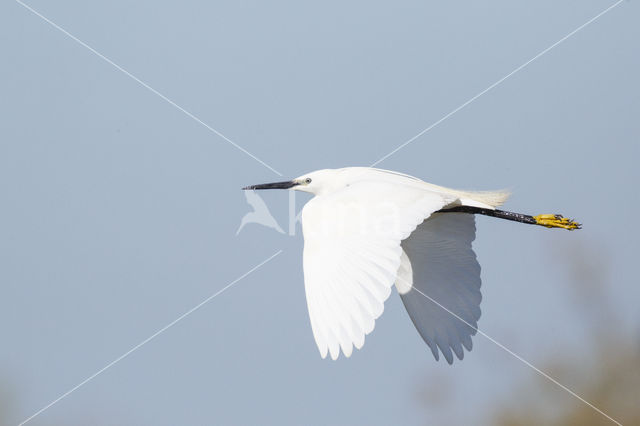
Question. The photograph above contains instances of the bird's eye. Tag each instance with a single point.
(307, 181)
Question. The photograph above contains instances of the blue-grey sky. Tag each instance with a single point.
(119, 211)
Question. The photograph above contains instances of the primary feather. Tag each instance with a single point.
(439, 282)
(351, 258)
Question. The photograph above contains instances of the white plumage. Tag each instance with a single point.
(438, 262)
(368, 229)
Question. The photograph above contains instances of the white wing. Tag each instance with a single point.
(352, 253)
(438, 262)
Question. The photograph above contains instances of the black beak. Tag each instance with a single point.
(275, 185)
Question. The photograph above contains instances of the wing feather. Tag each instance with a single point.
(441, 264)
(352, 254)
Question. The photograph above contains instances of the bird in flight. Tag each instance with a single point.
(367, 229)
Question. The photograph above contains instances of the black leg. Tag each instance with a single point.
(547, 220)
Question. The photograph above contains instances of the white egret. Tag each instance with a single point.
(367, 229)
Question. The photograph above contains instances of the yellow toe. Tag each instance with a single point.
(556, 221)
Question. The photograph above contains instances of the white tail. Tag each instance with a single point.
(482, 199)
(489, 198)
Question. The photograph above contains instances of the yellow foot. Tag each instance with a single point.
(556, 221)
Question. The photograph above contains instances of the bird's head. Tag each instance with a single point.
(318, 182)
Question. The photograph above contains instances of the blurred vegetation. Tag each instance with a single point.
(607, 373)
(611, 382)
(604, 369)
